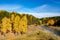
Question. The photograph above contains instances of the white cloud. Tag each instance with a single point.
(41, 15)
(9, 7)
(40, 11)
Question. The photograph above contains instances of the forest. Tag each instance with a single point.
(15, 22)
(18, 23)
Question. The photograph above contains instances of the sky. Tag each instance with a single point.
(38, 8)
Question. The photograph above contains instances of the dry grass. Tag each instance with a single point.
(55, 27)
(34, 33)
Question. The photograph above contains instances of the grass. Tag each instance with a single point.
(39, 35)
(35, 36)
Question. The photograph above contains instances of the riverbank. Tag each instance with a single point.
(55, 28)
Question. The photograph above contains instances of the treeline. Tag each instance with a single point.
(15, 22)
(18, 23)
(51, 21)
(30, 18)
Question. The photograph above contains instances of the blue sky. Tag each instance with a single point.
(38, 8)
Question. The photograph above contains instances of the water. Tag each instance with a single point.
(54, 31)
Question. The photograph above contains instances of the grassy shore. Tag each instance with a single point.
(55, 27)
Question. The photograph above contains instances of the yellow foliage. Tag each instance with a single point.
(40, 22)
(51, 22)
(24, 23)
(19, 24)
(6, 25)
(12, 17)
(16, 24)
(4, 30)
(31, 18)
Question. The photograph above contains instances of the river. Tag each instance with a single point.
(52, 30)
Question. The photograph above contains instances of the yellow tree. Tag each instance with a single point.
(5, 25)
(13, 14)
(24, 23)
(8, 25)
(16, 26)
(31, 18)
(12, 17)
(40, 22)
(50, 22)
